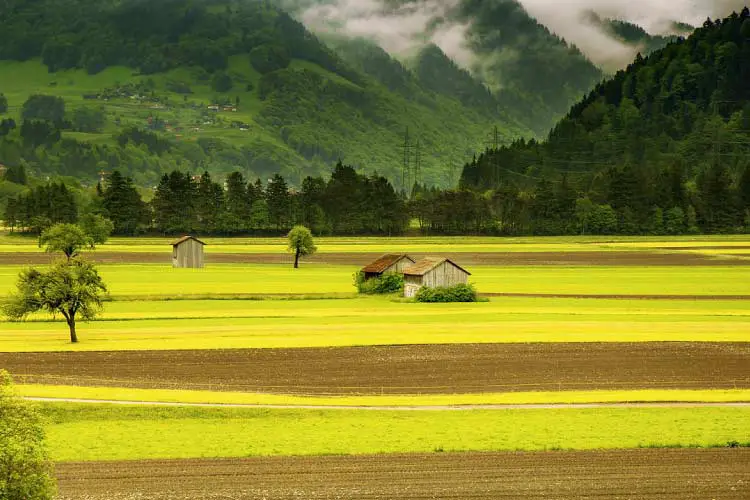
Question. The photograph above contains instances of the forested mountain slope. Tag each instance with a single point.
(147, 87)
(533, 75)
(669, 133)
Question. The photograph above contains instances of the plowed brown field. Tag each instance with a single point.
(471, 368)
(624, 474)
(614, 258)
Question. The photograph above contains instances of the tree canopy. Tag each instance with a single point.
(72, 288)
(25, 468)
(69, 239)
(301, 243)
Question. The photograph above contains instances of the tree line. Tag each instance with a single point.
(350, 203)
(346, 203)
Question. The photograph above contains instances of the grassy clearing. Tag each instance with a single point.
(107, 432)
(381, 321)
(154, 281)
(511, 398)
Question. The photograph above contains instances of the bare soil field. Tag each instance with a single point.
(417, 369)
(594, 258)
(623, 474)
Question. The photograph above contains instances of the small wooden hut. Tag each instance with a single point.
(187, 252)
(392, 263)
(433, 272)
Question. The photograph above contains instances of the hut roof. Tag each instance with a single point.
(384, 263)
(426, 265)
(184, 239)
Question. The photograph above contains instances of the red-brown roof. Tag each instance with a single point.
(184, 239)
(384, 263)
(426, 265)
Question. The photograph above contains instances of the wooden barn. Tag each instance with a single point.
(391, 263)
(187, 252)
(433, 272)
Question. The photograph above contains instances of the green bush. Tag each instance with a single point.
(387, 283)
(457, 293)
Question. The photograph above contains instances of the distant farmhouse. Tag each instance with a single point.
(392, 263)
(187, 252)
(433, 272)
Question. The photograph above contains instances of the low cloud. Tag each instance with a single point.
(402, 28)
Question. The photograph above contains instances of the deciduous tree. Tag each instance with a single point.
(69, 239)
(301, 243)
(25, 469)
(72, 288)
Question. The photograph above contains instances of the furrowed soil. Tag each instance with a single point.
(416, 369)
(609, 258)
(624, 474)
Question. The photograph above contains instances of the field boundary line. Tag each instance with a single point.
(532, 406)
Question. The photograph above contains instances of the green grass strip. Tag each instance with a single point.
(108, 432)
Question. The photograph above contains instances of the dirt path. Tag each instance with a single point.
(410, 369)
(552, 406)
(594, 258)
(645, 474)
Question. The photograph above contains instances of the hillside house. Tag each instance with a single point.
(392, 263)
(187, 252)
(433, 272)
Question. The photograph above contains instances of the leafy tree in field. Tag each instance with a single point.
(97, 227)
(25, 468)
(301, 243)
(69, 239)
(72, 288)
(44, 107)
(3, 104)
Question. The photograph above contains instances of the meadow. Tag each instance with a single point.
(153, 308)
(153, 281)
(211, 324)
(106, 432)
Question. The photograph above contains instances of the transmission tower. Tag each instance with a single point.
(418, 163)
(406, 167)
(493, 143)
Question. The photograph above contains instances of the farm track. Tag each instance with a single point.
(682, 474)
(411, 369)
(580, 258)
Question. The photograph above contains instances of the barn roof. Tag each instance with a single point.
(426, 265)
(184, 239)
(384, 263)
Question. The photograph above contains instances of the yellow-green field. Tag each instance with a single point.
(411, 400)
(107, 432)
(381, 321)
(239, 306)
(161, 281)
(456, 244)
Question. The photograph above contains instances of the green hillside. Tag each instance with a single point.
(149, 87)
(668, 136)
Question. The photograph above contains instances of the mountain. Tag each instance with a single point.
(671, 133)
(533, 75)
(221, 85)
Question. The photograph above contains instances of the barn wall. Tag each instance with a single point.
(446, 274)
(189, 254)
